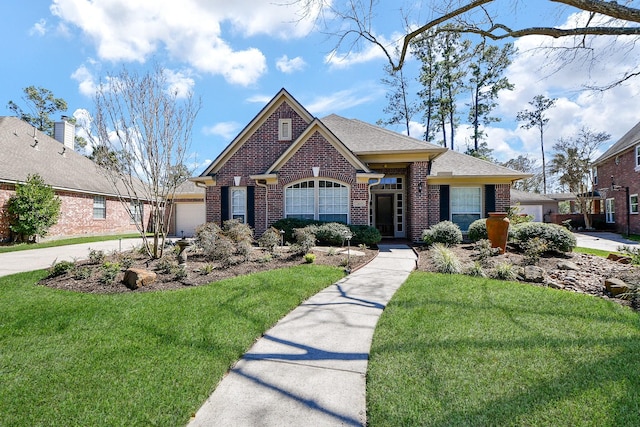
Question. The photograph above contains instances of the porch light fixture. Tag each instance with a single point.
(615, 187)
(316, 171)
(420, 188)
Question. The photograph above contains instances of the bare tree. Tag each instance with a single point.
(488, 18)
(572, 161)
(399, 106)
(143, 128)
(536, 118)
(526, 164)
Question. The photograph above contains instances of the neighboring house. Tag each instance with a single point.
(187, 210)
(535, 204)
(89, 204)
(288, 164)
(618, 182)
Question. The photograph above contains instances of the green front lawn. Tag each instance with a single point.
(136, 358)
(456, 350)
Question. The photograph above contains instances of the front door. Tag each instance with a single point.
(384, 214)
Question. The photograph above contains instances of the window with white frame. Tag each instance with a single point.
(610, 210)
(594, 171)
(239, 204)
(284, 129)
(466, 206)
(317, 199)
(99, 207)
(137, 211)
(633, 203)
(637, 156)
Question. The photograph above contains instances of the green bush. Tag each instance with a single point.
(33, 209)
(309, 258)
(444, 259)
(556, 238)
(96, 256)
(60, 268)
(478, 230)
(533, 250)
(475, 270)
(206, 236)
(332, 233)
(305, 240)
(365, 235)
(482, 251)
(444, 232)
(81, 273)
(110, 271)
(270, 239)
(165, 265)
(290, 224)
(237, 231)
(504, 271)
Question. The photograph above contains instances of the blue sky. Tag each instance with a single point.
(237, 55)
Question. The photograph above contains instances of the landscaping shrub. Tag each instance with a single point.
(476, 270)
(309, 258)
(445, 260)
(332, 233)
(82, 273)
(165, 265)
(206, 236)
(109, 272)
(290, 224)
(305, 240)
(270, 239)
(365, 235)
(222, 250)
(516, 216)
(557, 238)
(60, 268)
(633, 253)
(483, 251)
(504, 271)
(444, 232)
(96, 256)
(237, 231)
(533, 250)
(478, 230)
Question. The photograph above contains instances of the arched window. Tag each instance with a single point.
(317, 199)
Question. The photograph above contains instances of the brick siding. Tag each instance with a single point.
(76, 216)
(624, 175)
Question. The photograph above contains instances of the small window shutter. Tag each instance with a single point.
(251, 214)
(489, 199)
(224, 204)
(444, 203)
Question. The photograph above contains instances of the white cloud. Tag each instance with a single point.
(259, 99)
(180, 82)
(86, 81)
(288, 66)
(190, 30)
(341, 100)
(370, 52)
(39, 28)
(227, 130)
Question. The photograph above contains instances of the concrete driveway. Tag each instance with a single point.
(36, 259)
(605, 241)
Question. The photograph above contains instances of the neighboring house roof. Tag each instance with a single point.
(453, 164)
(560, 197)
(189, 190)
(526, 197)
(63, 169)
(628, 140)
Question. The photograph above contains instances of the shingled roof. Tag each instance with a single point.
(455, 164)
(363, 138)
(63, 169)
(628, 140)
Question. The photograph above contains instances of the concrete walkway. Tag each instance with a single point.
(36, 259)
(310, 368)
(603, 240)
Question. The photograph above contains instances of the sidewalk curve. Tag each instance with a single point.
(36, 259)
(309, 369)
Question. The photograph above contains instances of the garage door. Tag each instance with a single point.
(188, 217)
(535, 210)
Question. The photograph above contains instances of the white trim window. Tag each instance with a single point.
(318, 199)
(633, 203)
(284, 129)
(99, 207)
(466, 206)
(238, 200)
(637, 156)
(610, 210)
(137, 211)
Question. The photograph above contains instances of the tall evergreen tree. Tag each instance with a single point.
(486, 71)
(42, 104)
(537, 118)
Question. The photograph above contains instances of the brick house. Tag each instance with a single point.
(287, 163)
(618, 182)
(89, 204)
